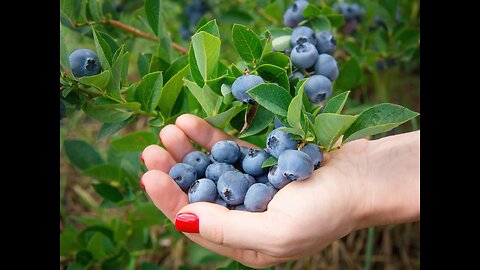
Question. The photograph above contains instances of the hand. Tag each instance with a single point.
(365, 183)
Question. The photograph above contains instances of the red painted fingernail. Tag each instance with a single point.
(187, 222)
(143, 161)
(141, 182)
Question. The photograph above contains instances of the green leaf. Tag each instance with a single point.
(104, 51)
(209, 101)
(107, 173)
(111, 113)
(277, 59)
(227, 94)
(134, 142)
(194, 69)
(353, 49)
(261, 120)
(311, 11)
(83, 258)
(171, 90)
(294, 114)
(153, 10)
(148, 91)
(295, 131)
(64, 61)
(100, 246)
(68, 8)
(222, 119)
(236, 72)
(276, 9)
(278, 32)
(108, 129)
(110, 41)
(216, 84)
(95, 10)
(210, 27)
(81, 154)
(143, 63)
(247, 43)
(99, 81)
(320, 23)
(336, 20)
(269, 162)
(68, 243)
(377, 119)
(336, 103)
(330, 126)
(271, 96)
(177, 66)
(350, 75)
(207, 52)
(408, 38)
(274, 74)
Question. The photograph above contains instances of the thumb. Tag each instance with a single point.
(231, 228)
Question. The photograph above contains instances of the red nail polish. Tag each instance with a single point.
(141, 182)
(187, 222)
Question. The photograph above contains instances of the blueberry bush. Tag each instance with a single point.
(292, 77)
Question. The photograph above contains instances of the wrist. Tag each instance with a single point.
(389, 191)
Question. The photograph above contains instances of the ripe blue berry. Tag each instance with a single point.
(293, 15)
(326, 43)
(304, 55)
(84, 62)
(276, 177)
(315, 154)
(202, 190)
(326, 66)
(240, 207)
(244, 83)
(279, 141)
(216, 169)
(252, 163)
(232, 187)
(318, 88)
(257, 198)
(226, 151)
(297, 74)
(296, 165)
(183, 174)
(303, 32)
(199, 161)
(262, 178)
(220, 201)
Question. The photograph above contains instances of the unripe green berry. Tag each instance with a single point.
(282, 43)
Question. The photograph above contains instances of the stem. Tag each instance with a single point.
(368, 251)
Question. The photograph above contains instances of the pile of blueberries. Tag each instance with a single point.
(353, 14)
(310, 54)
(233, 176)
(83, 62)
(194, 12)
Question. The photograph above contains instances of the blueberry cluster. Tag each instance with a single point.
(310, 53)
(233, 176)
(353, 14)
(194, 12)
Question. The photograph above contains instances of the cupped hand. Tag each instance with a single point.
(303, 217)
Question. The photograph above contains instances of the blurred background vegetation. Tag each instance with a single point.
(379, 61)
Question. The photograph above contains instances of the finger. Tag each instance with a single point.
(170, 199)
(235, 229)
(157, 158)
(176, 142)
(203, 133)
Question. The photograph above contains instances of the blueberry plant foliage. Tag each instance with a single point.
(197, 78)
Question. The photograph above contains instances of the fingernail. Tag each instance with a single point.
(187, 222)
(141, 182)
(143, 161)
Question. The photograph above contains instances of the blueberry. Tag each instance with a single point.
(326, 66)
(240, 207)
(277, 123)
(349, 12)
(262, 178)
(232, 187)
(297, 74)
(281, 43)
(62, 109)
(326, 43)
(221, 201)
(305, 32)
(318, 88)
(185, 33)
(252, 163)
(202, 190)
(226, 151)
(243, 154)
(296, 165)
(257, 198)
(211, 158)
(84, 62)
(244, 83)
(288, 18)
(183, 174)
(199, 161)
(279, 141)
(297, 9)
(273, 190)
(216, 169)
(251, 179)
(357, 11)
(276, 177)
(304, 55)
(315, 154)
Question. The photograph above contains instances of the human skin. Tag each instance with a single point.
(365, 183)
